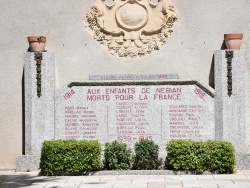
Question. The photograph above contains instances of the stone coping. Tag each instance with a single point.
(147, 172)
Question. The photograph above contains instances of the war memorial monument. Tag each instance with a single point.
(130, 84)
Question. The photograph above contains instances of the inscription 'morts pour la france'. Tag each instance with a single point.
(131, 113)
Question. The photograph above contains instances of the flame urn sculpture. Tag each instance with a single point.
(233, 40)
(36, 43)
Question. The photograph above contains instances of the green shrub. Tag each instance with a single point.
(200, 156)
(146, 155)
(64, 157)
(117, 156)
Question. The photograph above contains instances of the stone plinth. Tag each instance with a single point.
(39, 104)
(230, 103)
(27, 163)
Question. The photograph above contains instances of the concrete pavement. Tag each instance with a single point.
(9, 179)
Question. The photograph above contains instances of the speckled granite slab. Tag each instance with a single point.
(130, 111)
(230, 105)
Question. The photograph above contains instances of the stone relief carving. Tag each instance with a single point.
(132, 28)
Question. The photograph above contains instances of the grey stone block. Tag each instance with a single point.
(27, 163)
(230, 110)
(39, 108)
(39, 111)
(243, 161)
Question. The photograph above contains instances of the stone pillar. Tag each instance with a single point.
(39, 107)
(230, 99)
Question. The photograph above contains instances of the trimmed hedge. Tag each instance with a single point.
(216, 156)
(66, 157)
(117, 156)
(146, 156)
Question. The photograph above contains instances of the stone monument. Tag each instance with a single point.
(129, 108)
(131, 111)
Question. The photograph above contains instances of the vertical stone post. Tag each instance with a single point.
(230, 99)
(39, 107)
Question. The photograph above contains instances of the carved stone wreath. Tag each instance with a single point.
(132, 28)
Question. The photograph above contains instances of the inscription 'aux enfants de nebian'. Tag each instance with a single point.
(127, 94)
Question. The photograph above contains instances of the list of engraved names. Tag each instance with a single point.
(132, 113)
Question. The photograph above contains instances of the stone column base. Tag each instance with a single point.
(27, 163)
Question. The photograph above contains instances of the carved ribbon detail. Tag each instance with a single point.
(132, 28)
(38, 59)
(229, 56)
